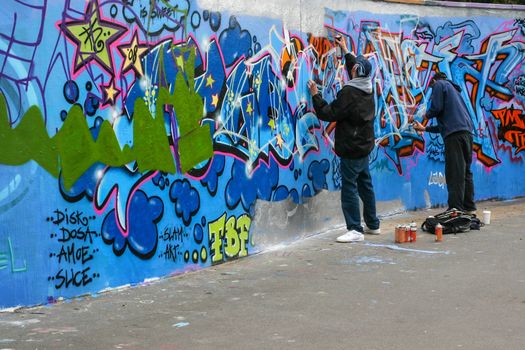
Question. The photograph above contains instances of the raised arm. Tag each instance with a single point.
(329, 112)
(349, 56)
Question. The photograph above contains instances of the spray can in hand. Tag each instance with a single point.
(338, 51)
(439, 232)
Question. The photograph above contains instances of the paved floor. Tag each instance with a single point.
(467, 292)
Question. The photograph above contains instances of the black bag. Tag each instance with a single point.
(453, 221)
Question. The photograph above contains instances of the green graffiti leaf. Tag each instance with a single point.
(198, 141)
(108, 148)
(195, 143)
(28, 140)
(76, 146)
(150, 142)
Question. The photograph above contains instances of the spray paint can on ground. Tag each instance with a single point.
(402, 234)
(413, 232)
(439, 232)
(398, 237)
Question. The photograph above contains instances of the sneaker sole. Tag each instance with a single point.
(354, 241)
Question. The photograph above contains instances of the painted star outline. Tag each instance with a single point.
(110, 92)
(93, 37)
(133, 52)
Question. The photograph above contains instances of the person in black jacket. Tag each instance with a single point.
(353, 110)
(455, 126)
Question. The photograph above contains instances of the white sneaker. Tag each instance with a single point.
(370, 231)
(351, 236)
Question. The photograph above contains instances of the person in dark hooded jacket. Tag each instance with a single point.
(353, 110)
(455, 126)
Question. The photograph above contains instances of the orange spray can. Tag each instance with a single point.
(399, 237)
(413, 232)
(396, 234)
(439, 232)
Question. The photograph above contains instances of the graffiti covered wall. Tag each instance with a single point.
(138, 138)
(486, 61)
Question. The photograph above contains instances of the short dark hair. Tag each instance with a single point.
(436, 77)
(439, 76)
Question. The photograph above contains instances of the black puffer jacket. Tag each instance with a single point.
(353, 110)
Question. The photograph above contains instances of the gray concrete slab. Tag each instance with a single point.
(467, 292)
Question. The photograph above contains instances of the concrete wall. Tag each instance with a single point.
(125, 156)
(308, 16)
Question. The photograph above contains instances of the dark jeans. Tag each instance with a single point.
(460, 184)
(357, 183)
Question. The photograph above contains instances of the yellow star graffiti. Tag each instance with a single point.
(280, 141)
(132, 53)
(214, 100)
(93, 37)
(110, 92)
(210, 81)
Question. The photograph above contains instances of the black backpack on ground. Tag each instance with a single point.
(453, 221)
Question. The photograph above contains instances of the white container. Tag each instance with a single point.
(486, 217)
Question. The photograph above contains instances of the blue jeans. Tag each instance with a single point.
(357, 183)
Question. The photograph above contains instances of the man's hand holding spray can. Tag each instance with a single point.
(340, 46)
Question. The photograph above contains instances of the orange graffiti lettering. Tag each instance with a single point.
(510, 117)
(512, 127)
(321, 44)
(517, 138)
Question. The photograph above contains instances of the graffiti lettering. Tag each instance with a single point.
(154, 17)
(402, 87)
(72, 255)
(91, 35)
(405, 66)
(229, 237)
(517, 138)
(510, 118)
(73, 228)
(512, 127)
(78, 278)
(81, 234)
(162, 12)
(143, 12)
(171, 252)
(9, 256)
(321, 44)
(74, 218)
(171, 234)
(132, 54)
(437, 179)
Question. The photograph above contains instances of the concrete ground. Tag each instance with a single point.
(467, 292)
